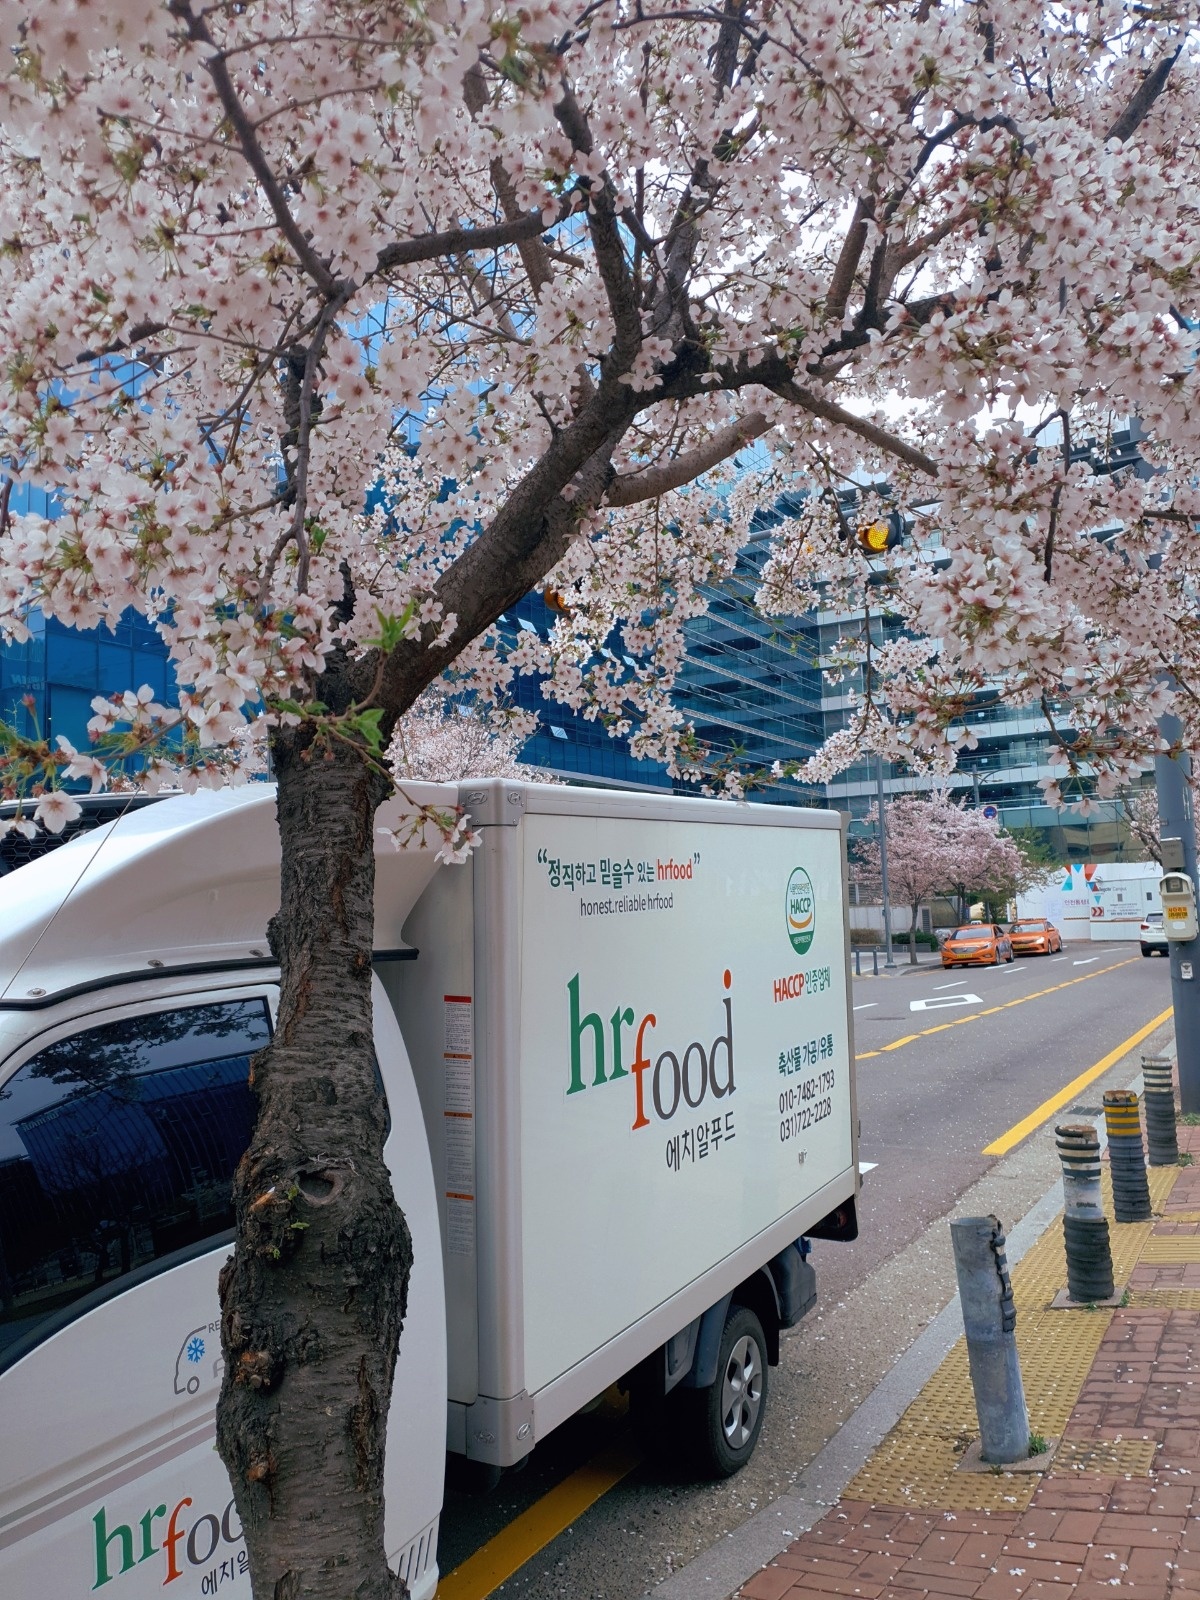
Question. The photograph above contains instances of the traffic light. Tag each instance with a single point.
(881, 535)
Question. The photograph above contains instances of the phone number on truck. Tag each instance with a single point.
(800, 1109)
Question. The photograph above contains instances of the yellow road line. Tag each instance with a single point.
(1046, 1110)
(496, 1561)
(974, 1016)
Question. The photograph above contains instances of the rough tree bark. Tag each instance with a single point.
(314, 1298)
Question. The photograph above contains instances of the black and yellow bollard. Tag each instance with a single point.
(1158, 1076)
(1085, 1227)
(1131, 1191)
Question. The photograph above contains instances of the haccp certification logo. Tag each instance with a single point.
(800, 909)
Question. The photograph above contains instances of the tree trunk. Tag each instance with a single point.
(313, 1299)
(912, 935)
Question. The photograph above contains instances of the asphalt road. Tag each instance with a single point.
(948, 1062)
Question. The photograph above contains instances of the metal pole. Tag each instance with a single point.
(889, 965)
(990, 1324)
(1177, 831)
(975, 786)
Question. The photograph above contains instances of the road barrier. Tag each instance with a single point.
(1131, 1191)
(990, 1324)
(1157, 1074)
(1085, 1227)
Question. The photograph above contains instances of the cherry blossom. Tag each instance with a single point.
(938, 847)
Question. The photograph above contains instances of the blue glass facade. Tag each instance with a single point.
(749, 685)
(62, 668)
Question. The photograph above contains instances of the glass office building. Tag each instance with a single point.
(749, 686)
(60, 669)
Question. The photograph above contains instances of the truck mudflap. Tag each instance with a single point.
(795, 1284)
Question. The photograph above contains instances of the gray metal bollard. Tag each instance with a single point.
(990, 1323)
(1131, 1192)
(1085, 1227)
(875, 960)
(857, 962)
(1161, 1137)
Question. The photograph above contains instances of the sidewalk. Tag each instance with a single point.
(1112, 1515)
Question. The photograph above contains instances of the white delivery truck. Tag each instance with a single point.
(617, 1055)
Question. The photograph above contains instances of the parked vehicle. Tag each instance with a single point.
(977, 944)
(1153, 935)
(616, 1049)
(1034, 936)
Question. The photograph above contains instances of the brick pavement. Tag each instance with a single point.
(1086, 1534)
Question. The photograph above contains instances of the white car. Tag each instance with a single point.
(1152, 934)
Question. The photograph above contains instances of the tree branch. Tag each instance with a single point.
(454, 241)
(638, 486)
(252, 152)
(1143, 98)
(871, 431)
(848, 258)
(606, 238)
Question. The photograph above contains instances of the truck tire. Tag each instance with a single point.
(730, 1411)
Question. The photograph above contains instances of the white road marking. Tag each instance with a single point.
(957, 984)
(1087, 961)
(941, 1002)
(866, 1006)
(1060, 958)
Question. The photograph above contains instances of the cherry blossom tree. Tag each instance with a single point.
(984, 859)
(529, 278)
(444, 740)
(937, 846)
(1141, 813)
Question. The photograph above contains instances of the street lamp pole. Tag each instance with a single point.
(1177, 832)
(889, 964)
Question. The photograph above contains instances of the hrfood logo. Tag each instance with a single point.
(800, 910)
(189, 1541)
(685, 1075)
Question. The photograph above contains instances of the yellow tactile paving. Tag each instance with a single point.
(916, 1464)
(1043, 1271)
(1109, 1457)
(1171, 1250)
(1164, 1299)
(1162, 1181)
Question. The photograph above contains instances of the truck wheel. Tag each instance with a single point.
(733, 1405)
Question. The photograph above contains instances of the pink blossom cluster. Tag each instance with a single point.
(541, 273)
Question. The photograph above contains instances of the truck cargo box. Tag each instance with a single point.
(630, 1030)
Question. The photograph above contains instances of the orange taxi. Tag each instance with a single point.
(1034, 936)
(977, 944)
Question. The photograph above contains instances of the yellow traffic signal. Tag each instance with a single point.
(877, 537)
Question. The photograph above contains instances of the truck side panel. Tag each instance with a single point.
(685, 1060)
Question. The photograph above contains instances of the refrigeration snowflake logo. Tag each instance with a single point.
(195, 1351)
